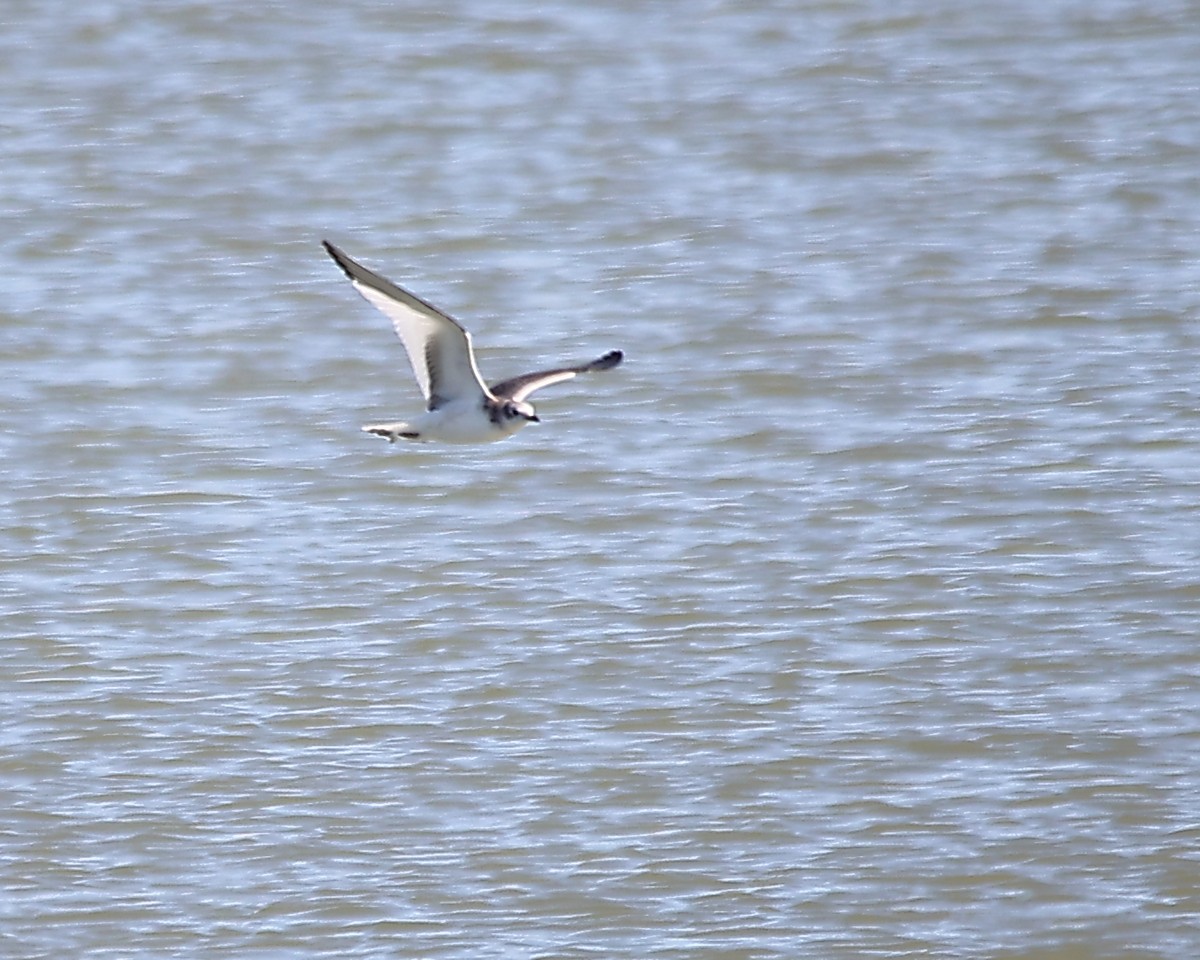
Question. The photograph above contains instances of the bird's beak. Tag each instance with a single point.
(535, 419)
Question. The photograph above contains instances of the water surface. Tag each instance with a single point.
(854, 616)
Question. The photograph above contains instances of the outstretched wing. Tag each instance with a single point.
(518, 388)
(439, 349)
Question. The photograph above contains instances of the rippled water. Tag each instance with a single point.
(855, 616)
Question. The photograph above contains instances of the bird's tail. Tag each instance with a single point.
(392, 431)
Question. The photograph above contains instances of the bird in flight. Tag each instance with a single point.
(459, 406)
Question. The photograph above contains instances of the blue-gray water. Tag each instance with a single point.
(855, 616)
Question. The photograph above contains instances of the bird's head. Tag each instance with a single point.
(520, 410)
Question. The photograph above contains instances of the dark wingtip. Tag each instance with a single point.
(338, 257)
(608, 361)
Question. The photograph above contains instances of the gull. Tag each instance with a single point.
(459, 406)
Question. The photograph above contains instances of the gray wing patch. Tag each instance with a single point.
(433, 365)
(518, 388)
(439, 349)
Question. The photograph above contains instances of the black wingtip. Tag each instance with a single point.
(338, 257)
(608, 361)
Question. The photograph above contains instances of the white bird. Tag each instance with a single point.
(460, 407)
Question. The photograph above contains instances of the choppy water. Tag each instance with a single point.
(855, 616)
